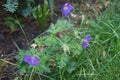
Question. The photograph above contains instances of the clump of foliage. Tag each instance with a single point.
(39, 10)
(21, 7)
(11, 5)
(58, 48)
(11, 22)
(41, 14)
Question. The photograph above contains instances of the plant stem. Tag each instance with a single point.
(24, 34)
(31, 74)
(16, 45)
(8, 62)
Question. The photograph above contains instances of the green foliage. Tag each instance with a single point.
(1, 63)
(105, 52)
(26, 8)
(11, 22)
(61, 46)
(41, 14)
(51, 3)
(53, 47)
(60, 26)
(11, 5)
(26, 68)
(63, 58)
(21, 7)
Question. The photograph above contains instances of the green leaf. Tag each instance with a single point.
(11, 5)
(22, 70)
(71, 66)
(42, 14)
(12, 27)
(10, 22)
(59, 26)
(51, 3)
(62, 60)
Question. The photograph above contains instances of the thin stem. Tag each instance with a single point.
(60, 74)
(16, 45)
(8, 62)
(45, 76)
(31, 74)
(38, 36)
(23, 33)
(91, 64)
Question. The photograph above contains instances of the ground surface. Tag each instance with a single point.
(7, 49)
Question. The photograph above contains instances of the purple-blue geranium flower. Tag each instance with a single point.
(32, 60)
(66, 8)
(88, 37)
(86, 41)
(85, 44)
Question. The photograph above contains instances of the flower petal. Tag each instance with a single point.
(88, 37)
(27, 58)
(66, 8)
(70, 7)
(34, 61)
(85, 44)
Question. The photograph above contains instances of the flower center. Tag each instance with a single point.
(65, 8)
(32, 59)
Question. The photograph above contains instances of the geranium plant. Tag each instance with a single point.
(55, 50)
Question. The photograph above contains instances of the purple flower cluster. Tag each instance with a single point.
(66, 8)
(32, 60)
(86, 41)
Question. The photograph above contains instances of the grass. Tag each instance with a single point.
(102, 62)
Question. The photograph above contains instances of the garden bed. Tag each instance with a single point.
(9, 39)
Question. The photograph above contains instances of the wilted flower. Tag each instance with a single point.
(66, 8)
(32, 60)
(86, 41)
